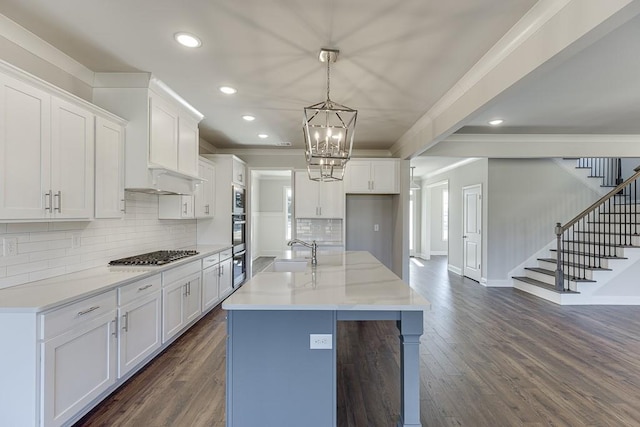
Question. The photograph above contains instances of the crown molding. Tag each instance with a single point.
(22, 37)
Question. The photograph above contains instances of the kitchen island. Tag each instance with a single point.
(281, 344)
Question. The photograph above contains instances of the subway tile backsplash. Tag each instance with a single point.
(47, 249)
(324, 231)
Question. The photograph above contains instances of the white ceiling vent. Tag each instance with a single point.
(283, 144)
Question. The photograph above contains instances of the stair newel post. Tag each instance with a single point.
(559, 273)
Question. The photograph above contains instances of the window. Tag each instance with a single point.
(445, 215)
(287, 211)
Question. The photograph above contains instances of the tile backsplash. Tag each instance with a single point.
(325, 231)
(51, 249)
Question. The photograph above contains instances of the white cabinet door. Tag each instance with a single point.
(173, 309)
(140, 329)
(384, 176)
(72, 148)
(226, 277)
(109, 184)
(193, 299)
(357, 176)
(205, 194)
(163, 144)
(210, 291)
(331, 199)
(25, 151)
(239, 172)
(175, 207)
(188, 145)
(306, 196)
(77, 367)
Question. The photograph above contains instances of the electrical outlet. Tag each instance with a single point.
(320, 341)
(76, 241)
(10, 246)
(376, 227)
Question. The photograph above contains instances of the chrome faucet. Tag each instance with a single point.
(313, 246)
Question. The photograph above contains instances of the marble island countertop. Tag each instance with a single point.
(49, 293)
(340, 281)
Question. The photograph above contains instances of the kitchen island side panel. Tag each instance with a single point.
(273, 378)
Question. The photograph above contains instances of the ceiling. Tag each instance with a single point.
(397, 57)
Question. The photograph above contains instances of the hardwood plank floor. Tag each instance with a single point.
(489, 357)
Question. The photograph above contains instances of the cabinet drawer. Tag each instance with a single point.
(128, 293)
(226, 254)
(55, 322)
(210, 261)
(181, 272)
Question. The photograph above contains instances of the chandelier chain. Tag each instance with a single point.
(328, 76)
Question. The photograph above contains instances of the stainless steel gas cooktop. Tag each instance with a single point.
(154, 258)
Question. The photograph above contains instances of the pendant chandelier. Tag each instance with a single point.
(328, 131)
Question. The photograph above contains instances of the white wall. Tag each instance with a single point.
(45, 249)
(526, 198)
(438, 246)
(469, 174)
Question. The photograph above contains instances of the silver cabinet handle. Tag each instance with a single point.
(47, 201)
(206, 209)
(185, 207)
(88, 310)
(59, 206)
(189, 287)
(142, 288)
(115, 327)
(125, 317)
(124, 206)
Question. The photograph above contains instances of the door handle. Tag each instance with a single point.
(464, 237)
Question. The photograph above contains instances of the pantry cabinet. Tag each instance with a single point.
(47, 147)
(315, 199)
(372, 176)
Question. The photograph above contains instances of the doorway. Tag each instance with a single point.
(472, 232)
(271, 208)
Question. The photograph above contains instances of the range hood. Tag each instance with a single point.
(130, 96)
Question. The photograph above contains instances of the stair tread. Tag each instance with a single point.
(542, 285)
(613, 223)
(611, 245)
(590, 254)
(553, 273)
(573, 264)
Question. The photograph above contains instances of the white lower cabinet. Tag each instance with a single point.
(181, 298)
(225, 283)
(79, 362)
(140, 324)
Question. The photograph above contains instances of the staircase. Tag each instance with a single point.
(595, 246)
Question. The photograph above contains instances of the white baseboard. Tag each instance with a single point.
(423, 255)
(454, 269)
(439, 253)
(507, 283)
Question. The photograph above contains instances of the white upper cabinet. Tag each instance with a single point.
(163, 144)
(47, 155)
(162, 140)
(239, 172)
(72, 148)
(25, 151)
(315, 199)
(109, 194)
(376, 176)
(205, 195)
(176, 206)
(188, 145)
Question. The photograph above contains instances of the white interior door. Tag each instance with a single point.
(472, 232)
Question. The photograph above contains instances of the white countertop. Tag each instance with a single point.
(340, 281)
(49, 293)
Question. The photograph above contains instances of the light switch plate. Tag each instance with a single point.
(320, 341)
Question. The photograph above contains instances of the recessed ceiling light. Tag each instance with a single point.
(496, 122)
(248, 117)
(188, 40)
(263, 135)
(228, 90)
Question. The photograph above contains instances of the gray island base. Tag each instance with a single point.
(274, 377)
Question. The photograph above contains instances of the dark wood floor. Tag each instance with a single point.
(489, 357)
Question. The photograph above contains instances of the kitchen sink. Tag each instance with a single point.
(292, 265)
